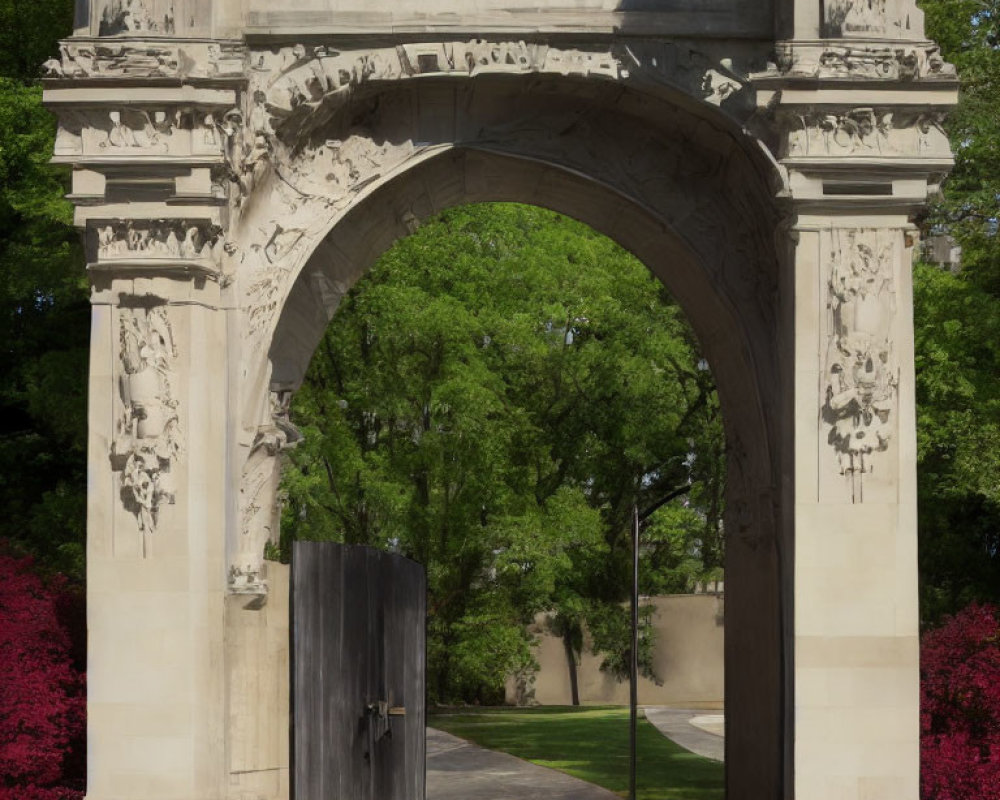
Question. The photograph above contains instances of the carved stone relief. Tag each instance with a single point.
(147, 440)
(320, 181)
(866, 132)
(861, 376)
(295, 81)
(862, 60)
(259, 500)
(154, 240)
(171, 132)
(138, 59)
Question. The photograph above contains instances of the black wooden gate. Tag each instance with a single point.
(358, 652)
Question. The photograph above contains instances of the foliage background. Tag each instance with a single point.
(44, 309)
(491, 401)
(957, 320)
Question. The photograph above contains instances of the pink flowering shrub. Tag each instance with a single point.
(960, 707)
(42, 703)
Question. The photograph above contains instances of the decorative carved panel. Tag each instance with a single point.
(259, 501)
(859, 389)
(866, 132)
(147, 438)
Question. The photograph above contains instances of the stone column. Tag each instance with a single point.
(858, 129)
(856, 674)
(158, 486)
(149, 166)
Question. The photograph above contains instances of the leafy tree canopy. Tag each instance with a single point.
(492, 400)
(957, 321)
(44, 314)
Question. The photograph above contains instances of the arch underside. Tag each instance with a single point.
(674, 183)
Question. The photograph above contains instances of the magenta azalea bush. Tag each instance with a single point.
(42, 702)
(960, 707)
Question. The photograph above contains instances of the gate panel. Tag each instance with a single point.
(358, 629)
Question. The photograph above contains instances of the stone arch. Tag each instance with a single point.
(253, 155)
(688, 194)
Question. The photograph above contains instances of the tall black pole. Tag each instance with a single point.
(634, 659)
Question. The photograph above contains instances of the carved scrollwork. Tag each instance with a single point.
(147, 440)
(259, 500)
(861, 375)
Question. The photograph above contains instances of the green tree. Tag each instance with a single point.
(958, 360)
(44, 313)
(957, 320)
(492, 400)
(29, 32)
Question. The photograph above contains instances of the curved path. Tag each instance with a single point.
(458, 770)
(691, 729)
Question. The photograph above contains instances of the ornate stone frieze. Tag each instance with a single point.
(863, 61)
(137, 132)
(860, 383)
(291, 82)
(865, 132)
(165, 245)
(259, 499)
(147, 438)
(158, 239)
(134, 58)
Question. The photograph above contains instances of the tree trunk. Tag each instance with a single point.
(574, 688)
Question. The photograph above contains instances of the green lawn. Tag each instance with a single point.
(590, 743)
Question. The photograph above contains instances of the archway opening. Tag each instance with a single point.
(690, 198)
(492, 400)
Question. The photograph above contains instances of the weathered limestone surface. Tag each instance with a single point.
(237, 166)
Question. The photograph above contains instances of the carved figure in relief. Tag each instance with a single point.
(929, 127)
(861, 374)
(160, 239)
(147, 439)
(860, 131)
(138, 129)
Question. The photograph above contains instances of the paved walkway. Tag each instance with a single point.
(696, 731)
(458, 770)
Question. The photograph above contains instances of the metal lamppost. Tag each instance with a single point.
(637, 520)
(633, 677)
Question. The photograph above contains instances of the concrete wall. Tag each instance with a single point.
(688, 659)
